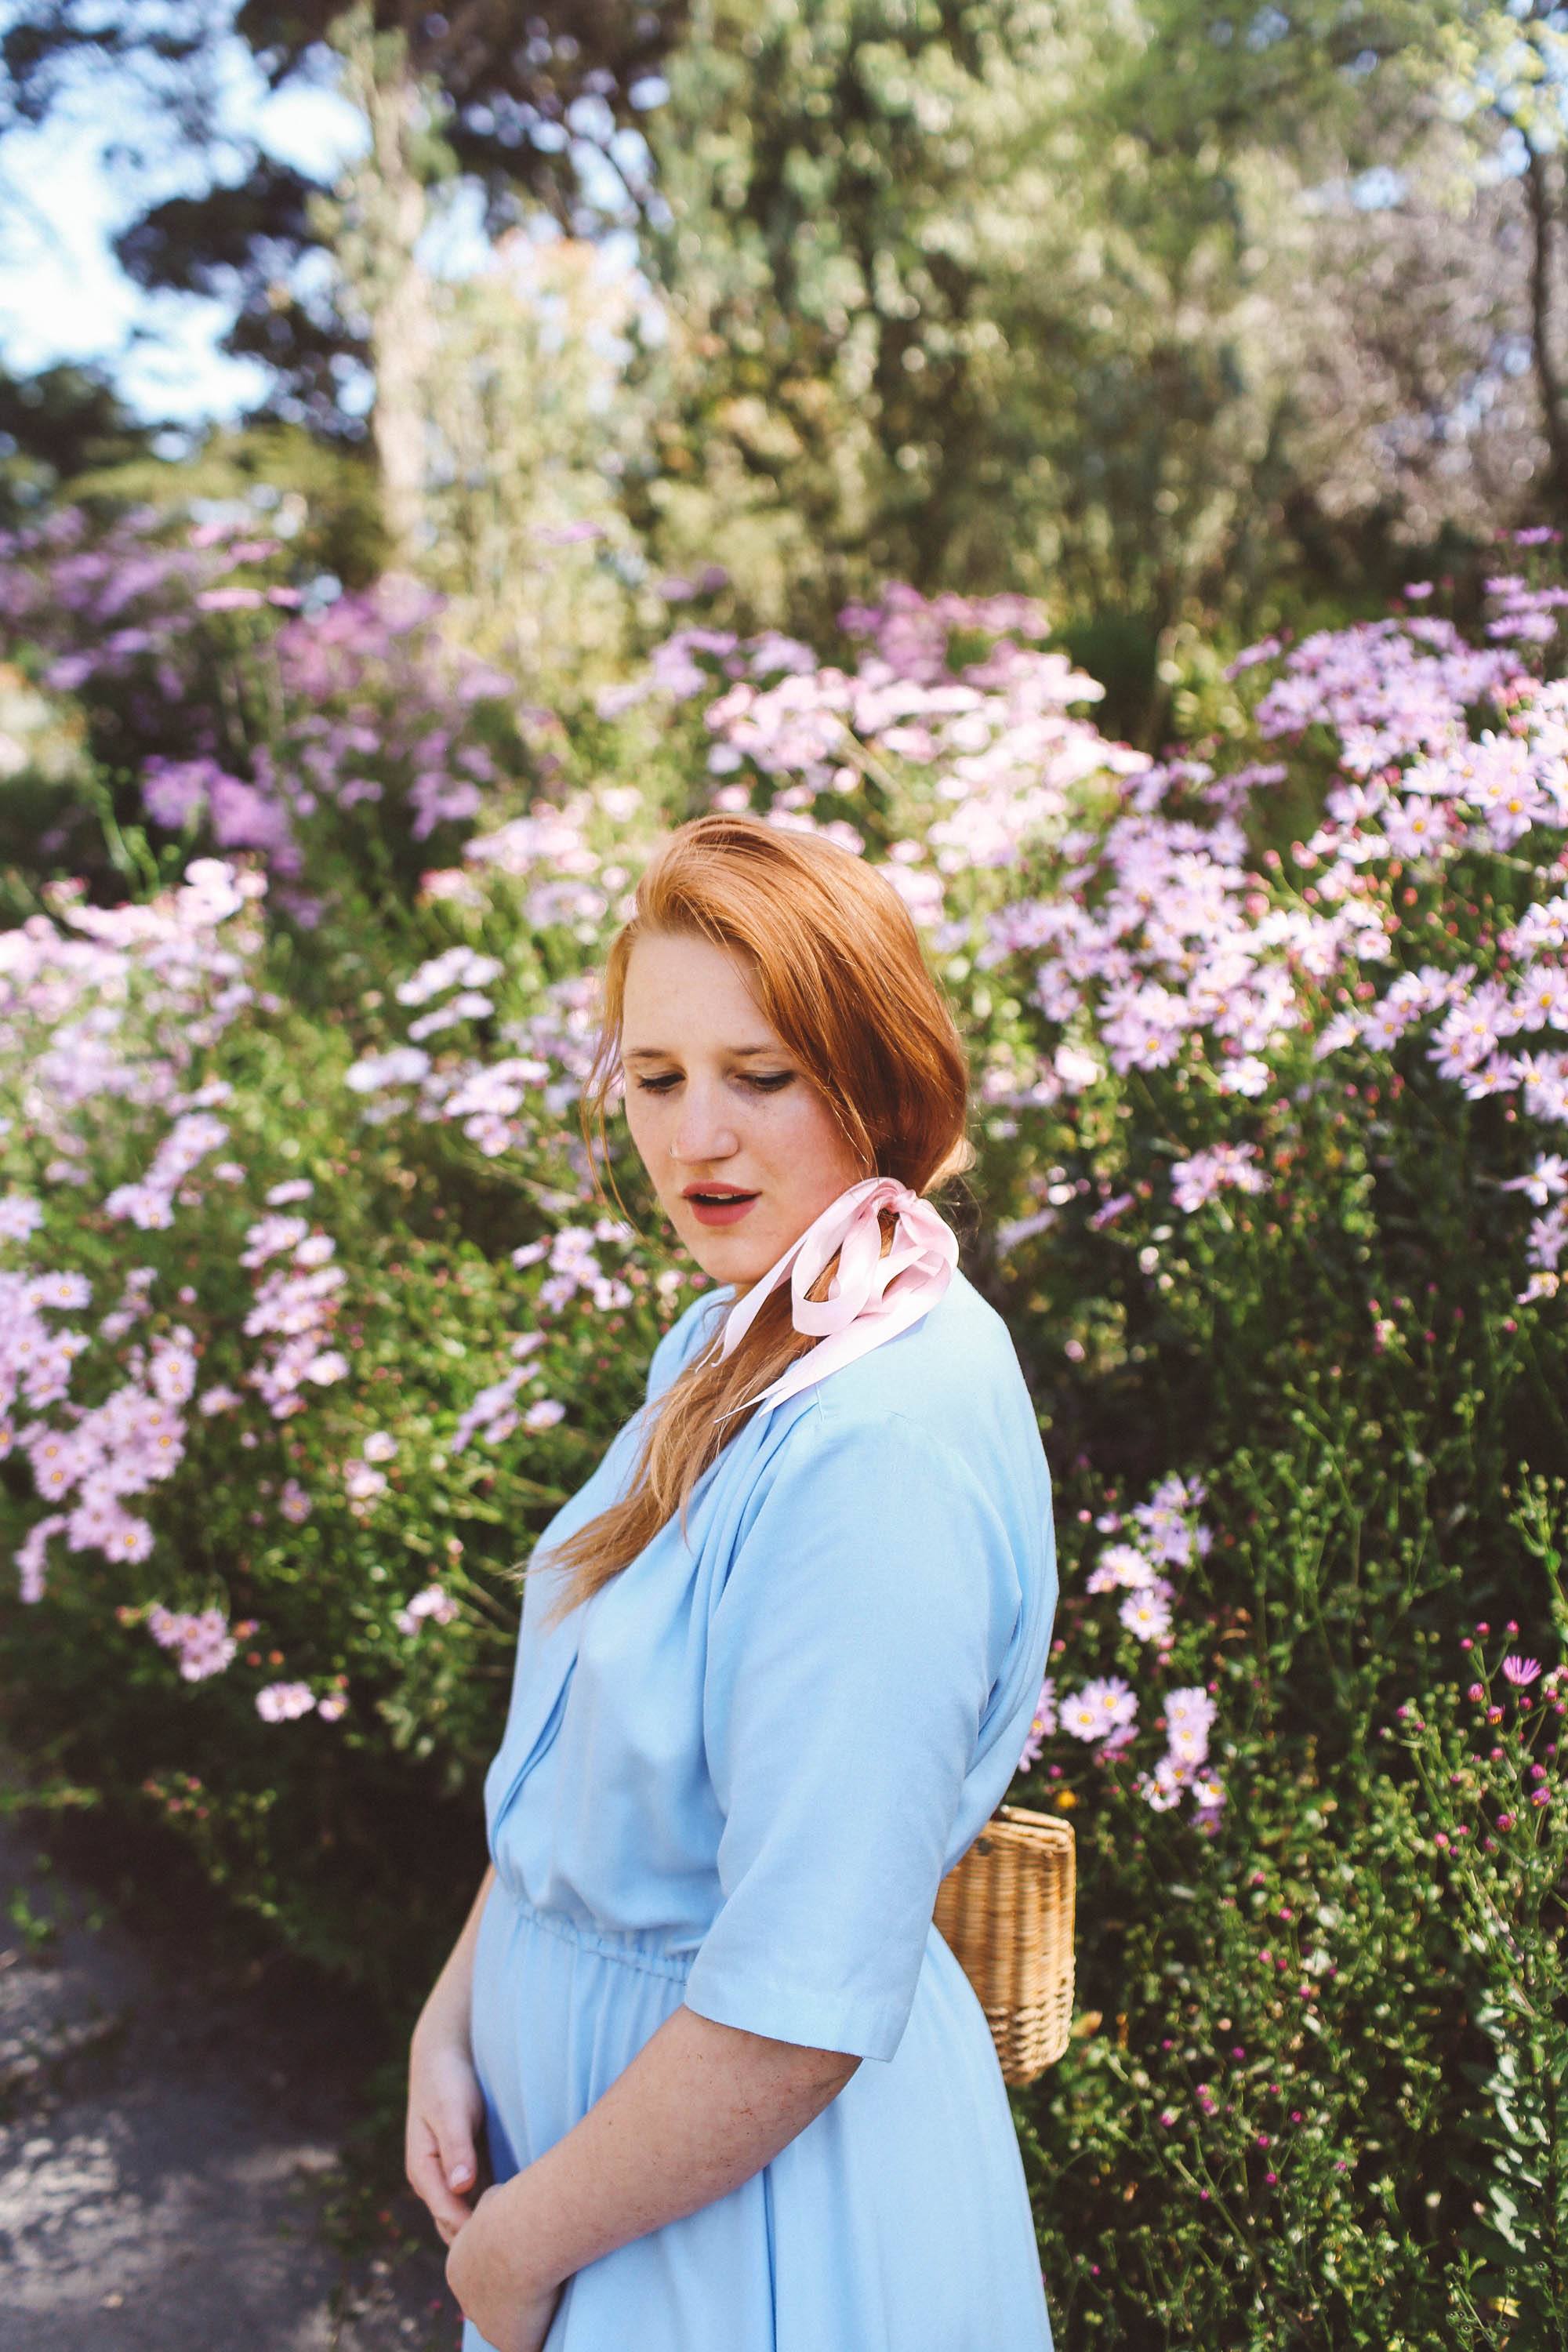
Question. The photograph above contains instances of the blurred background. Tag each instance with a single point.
(1196, 319)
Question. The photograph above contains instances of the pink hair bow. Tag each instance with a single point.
(871, 1298)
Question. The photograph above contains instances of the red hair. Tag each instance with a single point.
(834, 961)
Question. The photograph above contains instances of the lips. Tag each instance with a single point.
(722, 1209)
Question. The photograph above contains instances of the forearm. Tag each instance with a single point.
(700, 2108)
(448, 2007)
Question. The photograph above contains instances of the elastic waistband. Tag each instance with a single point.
(626, 1946)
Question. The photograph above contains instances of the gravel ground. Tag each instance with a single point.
(178, 2165)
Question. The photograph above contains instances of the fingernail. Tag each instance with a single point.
(458, 2175)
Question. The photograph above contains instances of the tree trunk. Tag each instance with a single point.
(1544, 223)
(381, 214)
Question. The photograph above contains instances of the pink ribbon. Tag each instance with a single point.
(871, 1298)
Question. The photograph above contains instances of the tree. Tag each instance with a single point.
(60, 432)
(989, 292)
(1502, 70)
(532, 428)
(828, 209)
(327, 285)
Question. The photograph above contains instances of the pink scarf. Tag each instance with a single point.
(871, 1298)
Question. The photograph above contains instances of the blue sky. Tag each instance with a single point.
(62, 294)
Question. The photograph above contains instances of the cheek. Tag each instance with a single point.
(641, 1123)
(806, 1129)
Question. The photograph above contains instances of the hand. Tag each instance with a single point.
(446, 2112)
(488, 2274)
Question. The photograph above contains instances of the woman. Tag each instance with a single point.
(778, 1663)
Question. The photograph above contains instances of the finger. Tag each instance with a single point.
(445, 2124)
(427, 2179)
(458, 2161)
(455, 2143)
(450, 2220)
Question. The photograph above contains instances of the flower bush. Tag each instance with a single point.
(221, 705)
(315, 1313)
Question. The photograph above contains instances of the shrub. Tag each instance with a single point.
(1268, 1091)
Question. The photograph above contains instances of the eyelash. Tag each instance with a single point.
(772, 1085)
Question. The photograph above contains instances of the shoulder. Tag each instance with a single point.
(928, 1444)
(870, 1524)
(946, 1397)
(953, 1377)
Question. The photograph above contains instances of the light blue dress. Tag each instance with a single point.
(735, 1778)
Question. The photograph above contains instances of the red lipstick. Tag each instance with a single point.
(717, 1204)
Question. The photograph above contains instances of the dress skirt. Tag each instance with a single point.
(898, 2220)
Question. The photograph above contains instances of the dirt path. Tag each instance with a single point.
(173, 2128)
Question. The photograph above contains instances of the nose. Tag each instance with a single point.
(702, 1134)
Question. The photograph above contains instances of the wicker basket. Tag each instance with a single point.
(1006, 1909)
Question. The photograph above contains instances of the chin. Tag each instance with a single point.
(733, 1256)
(722, 1267)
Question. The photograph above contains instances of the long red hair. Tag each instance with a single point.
(835, 963)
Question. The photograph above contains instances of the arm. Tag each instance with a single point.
(448, 2008)
(712, 2103)
(715, 2102)
(446, 2104)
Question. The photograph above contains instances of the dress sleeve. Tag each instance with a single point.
(870, 1597)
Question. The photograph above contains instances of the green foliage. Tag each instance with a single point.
(1315, 2094)
(1008, 295)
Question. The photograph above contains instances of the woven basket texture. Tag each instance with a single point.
(1006, 1909)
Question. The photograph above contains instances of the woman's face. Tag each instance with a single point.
(714, 1096)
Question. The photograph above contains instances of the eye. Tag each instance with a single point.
(770, 1082)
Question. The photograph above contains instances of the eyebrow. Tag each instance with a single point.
(663, 1053)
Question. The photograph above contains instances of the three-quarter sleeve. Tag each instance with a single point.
(870, 1597)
